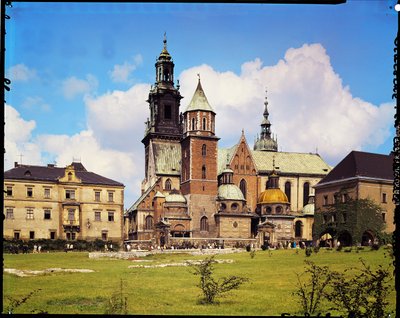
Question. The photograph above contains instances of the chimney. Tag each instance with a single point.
(15, 164)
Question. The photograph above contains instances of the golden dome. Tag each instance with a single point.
(272, 196)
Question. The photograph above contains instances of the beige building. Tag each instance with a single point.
(360, 175)
(61, 203)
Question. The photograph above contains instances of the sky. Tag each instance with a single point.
(81, 73)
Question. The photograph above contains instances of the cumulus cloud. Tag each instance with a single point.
(21, 72)
(36, 103)
(73, 86)
(17, 139)
(121, 72)
(309, 106)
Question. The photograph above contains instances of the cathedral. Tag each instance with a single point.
(195, 193)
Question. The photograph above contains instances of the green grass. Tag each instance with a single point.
(171, 290)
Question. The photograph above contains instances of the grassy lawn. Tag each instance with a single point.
(171, 290)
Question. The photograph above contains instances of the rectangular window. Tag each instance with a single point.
(325, 219)
(31, 235)
(110, 196)
(384, 216)
(97, 195)
(97, 216)
(52, 235)
(325, 200)
(16, 235)
(167, 112)
(47, 214)
(70, 194)
(9, 191)
(111, 216)
(9, 213)
(384, 200)
(71, 215)
(47, 193)
(104, 236)
(29, 214)
(29, 192)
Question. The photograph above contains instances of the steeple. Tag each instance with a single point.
(265, 142)
(165, 67)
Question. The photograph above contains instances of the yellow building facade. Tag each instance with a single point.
(48, 202)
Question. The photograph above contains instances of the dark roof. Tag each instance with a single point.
(51, 173)
(362, 164)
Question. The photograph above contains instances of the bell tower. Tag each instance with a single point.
(164, 124)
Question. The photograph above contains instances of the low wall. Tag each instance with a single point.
(139, 253)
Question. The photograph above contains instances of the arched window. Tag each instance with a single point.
(203, 172)
(204, 123)
(193, 122)
(69, 176)
(288, 187)
(243, 187)
(204, 150)
(204, 224)
(298, 229)
(168, 185)
(149, 223)
(306, 192)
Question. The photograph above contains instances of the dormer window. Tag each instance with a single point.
(69, 176)
(28, 173)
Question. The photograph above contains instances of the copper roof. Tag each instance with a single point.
(199, 100)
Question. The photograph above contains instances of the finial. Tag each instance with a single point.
(165, 40)
(273, 162)
(198, 75)
(242, 131)
(227, 159)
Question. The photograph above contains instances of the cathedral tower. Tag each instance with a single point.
(199, 163)
(163, 128)
(265, 142)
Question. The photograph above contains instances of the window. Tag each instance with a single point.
(298, 231)
(29, 192)
(47, 214)
(204, 150)
(384, 200)
(325, 220)
(9, 213)
(110, 196)
(52, 235)
(97, 195)
(71, 215)
(70, 194)
(16, 235)
(333, 218)
(71, 236)
(9, 191)
(167, 112)
(31, 235)
(193, 124)
(168, 185)
(104, 235)
(384, 216)
(204, 224)
(69, 176)
(243, 187)
(325, 200)
(47, 193)
(203, 172)
(110, 216)
(29, 214)
(223, 206)
(306, 192)
(204, 123)
(149, 222)
(288, 188)
(278, 209)
(97, 215)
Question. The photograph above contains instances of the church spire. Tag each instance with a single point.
(266, 142)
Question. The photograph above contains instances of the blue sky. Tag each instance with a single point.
(81, 73)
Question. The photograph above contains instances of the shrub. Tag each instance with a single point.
(264, 247)
(375, 247)
(308, 251)
(210, 287)
(248, 248)
(316, 249)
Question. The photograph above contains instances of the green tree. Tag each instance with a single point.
(352, 216)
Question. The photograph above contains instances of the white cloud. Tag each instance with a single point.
(121, 72)
(73, 86)
(17, 139)
(36, 103)
(308, 105)
(21, 72)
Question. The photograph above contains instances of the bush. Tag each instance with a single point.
(316, 249)
(248, 248)
(308, 251)
(264, 247)
(339, 248)
(375, 247)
